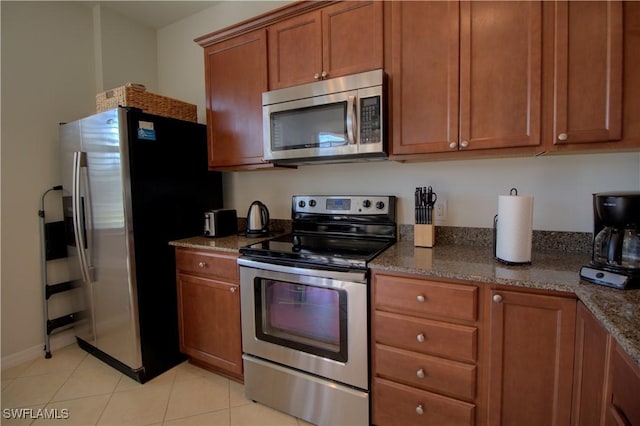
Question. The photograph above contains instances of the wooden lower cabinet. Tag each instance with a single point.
(425, 351)
(209, 310)
(623, 407)
(590, 380)
(530, 365)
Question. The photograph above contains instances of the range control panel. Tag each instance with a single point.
(347, 205)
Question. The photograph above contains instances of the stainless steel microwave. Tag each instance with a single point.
(336, 120)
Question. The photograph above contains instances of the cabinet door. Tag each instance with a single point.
(590, 370)
(531, 359)
(424, 83)
(236, 76)
(500, 74)
(588, 71)
(351, 37)
(295, 50)
(209, 321)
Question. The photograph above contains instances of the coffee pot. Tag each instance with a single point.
(615, 259)
(257, 219)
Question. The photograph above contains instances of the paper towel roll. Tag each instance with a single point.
(514, 228)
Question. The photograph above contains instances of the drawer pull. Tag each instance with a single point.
(497, 298)
(420, 338)
(232, 289)
(420, 373)
(420, 298)
(201, 264)
(419, 409)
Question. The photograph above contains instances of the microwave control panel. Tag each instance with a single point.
(370, 120)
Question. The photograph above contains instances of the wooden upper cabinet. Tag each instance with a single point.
(465, 76)
(235, 77)
(424, 68)
(530, 366)
(500, 74)
(340, 39)
(588, 71)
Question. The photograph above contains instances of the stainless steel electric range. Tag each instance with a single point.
(305, 308)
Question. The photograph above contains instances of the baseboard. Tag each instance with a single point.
(56, 341)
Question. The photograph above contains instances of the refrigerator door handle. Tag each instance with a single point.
(79, 161)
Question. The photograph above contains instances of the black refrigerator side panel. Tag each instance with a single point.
(171, 188)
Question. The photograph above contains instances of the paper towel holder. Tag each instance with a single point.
(514, 192)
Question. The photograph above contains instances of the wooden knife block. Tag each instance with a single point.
(424, 235)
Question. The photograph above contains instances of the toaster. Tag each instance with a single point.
(220, 223)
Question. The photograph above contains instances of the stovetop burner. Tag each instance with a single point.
(332, 231)
(318, 250)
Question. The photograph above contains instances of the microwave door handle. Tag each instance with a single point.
(352, 124)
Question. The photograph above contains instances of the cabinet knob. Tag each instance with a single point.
(420, 338)
(453, 145)
(420, 298)
(420, 373)
(316, 76)
(563, 137)
(419, 409)
(202, 264)
(464, 144)
(497, 298)
(233, 289)
(324, 75)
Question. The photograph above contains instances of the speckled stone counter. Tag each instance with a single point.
(228, 244)
(617, 310)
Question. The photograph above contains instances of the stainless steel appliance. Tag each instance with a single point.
(336, 120)
(257, 219)
(132, 183)
(616, 245)
(220, 223)
(305, 308)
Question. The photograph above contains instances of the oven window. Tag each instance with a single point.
(322, 126)
(303, 317)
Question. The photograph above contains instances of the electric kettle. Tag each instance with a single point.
(257, 219)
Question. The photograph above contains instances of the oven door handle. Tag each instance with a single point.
(357, 277)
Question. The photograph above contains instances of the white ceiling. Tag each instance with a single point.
(157, 14)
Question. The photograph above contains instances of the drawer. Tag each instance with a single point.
(396, 404)
(423, 297)
(455, 341)
(426, 372)
(216, 265)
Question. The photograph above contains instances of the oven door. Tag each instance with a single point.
(311, 320)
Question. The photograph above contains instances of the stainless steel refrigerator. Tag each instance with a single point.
(132, 182)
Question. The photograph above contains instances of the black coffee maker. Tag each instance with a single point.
(615, 261)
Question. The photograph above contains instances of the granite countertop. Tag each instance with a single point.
(617, 310)
(229, 244)
(555, 270)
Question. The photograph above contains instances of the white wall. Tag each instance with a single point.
(128, 52)
(561, 185)
(49, 75)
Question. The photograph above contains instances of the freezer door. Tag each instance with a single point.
(108, 256)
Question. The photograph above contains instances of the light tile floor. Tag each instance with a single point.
(93, 393)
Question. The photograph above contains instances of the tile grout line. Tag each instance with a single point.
(166, 408)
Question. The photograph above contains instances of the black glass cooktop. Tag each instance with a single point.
(319, 250)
